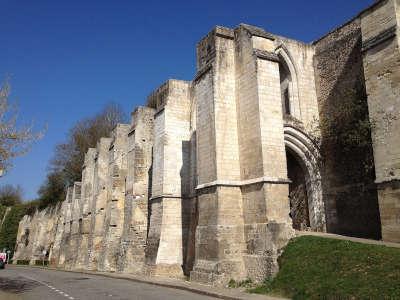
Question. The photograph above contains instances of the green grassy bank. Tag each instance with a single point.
(322, 268)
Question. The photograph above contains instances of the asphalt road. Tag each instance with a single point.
(33, 283)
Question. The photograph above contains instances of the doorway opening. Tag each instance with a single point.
(298, 197)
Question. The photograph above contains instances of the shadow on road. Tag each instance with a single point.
(16, 285)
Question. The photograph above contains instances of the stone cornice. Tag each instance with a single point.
(223, 35)
(240, 183)
(262, 54)
(166, 196)
(381, 37)
(388, 181)
(223, 32)
(203, 71)
(256, 31)
(158, 112)
(132, 131)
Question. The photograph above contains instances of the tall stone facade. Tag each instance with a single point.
(212, 176)
(381, 61)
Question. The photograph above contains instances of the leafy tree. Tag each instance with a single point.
(14, 140)
(10, 195)
(66, 165)
(53, 190)
(69, 156)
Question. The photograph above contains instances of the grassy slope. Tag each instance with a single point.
(315, 268)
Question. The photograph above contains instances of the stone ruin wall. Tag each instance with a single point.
(197, 184)
(358, 64)
(381, 60)
(349, 189)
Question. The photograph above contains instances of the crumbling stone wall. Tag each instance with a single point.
(114, 219)
(60, 227)
(100, 194)
(136, 215)
(73, 234)
(168, 227)
(37, 234)
(197, 184)
(85, 209)
(381, 61)
(348, 171)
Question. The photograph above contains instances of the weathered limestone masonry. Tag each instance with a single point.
(34, 232)
(168, 223)
(349, 190)
(211, 178)
(114, 221)
(99, 203)
(75, 228)
(60, 219)
(85, 212)
(139, 159)
(381, 58)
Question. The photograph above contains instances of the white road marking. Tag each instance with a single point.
(51, 287)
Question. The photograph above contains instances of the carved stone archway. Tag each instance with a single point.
(303, 149)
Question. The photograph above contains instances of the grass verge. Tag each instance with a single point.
(322, 268)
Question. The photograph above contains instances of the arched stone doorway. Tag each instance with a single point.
(298, 198)
(307, 207)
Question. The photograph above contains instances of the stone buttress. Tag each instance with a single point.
(114, 219)
(72, 247)
(85, 214)
(168, 224)
(139, 159)
(65, 229)
(100, 193)
(381, 57)
(55, 253)
(263, 168)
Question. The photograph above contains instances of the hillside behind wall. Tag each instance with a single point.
(349, 189)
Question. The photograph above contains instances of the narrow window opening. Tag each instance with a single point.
(286, 81)
(286, 99)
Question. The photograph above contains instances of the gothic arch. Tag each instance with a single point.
(287, 60)
(307, 155)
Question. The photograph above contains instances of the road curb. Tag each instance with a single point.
(179, 285)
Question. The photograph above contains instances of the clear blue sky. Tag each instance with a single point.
(67, 59)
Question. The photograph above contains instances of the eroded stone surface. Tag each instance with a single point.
(198, 183)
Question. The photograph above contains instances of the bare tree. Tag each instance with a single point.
(14, 141)
(10, 195)
(66, 165)
(69, 156)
